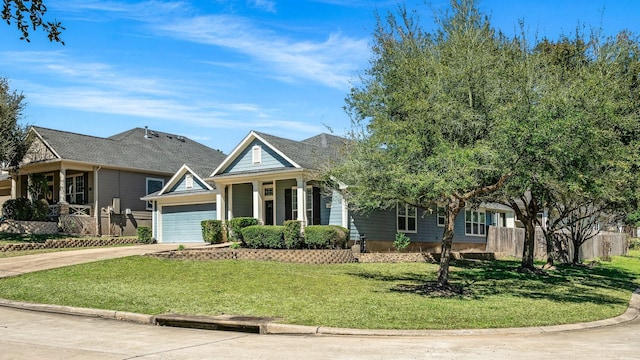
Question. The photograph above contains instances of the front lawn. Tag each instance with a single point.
(383, 296)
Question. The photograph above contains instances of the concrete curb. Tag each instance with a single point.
(226, 322)
(69, 310)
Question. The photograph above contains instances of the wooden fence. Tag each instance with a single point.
(510, 242)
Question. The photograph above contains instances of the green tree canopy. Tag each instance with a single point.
(425, 113)
(13, 137)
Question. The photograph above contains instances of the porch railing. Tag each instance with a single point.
(74, 209)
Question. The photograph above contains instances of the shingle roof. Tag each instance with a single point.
(161, 152)
(311, 153)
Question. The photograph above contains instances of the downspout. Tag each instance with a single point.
(96, 198)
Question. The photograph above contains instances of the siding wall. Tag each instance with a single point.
(244, 162)
(242, 200)
(382, 226)
(335, 212)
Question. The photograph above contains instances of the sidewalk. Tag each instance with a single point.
(13, 266)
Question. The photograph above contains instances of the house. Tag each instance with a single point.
(5, 187)
(274, 179)
(101, 180)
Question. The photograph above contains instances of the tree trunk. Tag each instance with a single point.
(529, 243)
(452, 210)
(445, 255)
(550, 248)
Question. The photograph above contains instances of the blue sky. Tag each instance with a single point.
(213, 70)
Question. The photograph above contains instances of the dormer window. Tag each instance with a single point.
(256, 154)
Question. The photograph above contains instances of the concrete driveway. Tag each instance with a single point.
(28, 334)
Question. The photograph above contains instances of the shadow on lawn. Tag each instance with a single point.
(481, 279)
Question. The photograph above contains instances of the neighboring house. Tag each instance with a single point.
(275, 179)
(5, 187)
(102, 179)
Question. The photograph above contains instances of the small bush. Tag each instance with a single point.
(40, 210)
(634, 244)
(212, 231)
(292, 237)
(321, 236)
(145, 235)
(264, 237)
(343, 235)
(401, 242)
(236, 225)
(20, 209)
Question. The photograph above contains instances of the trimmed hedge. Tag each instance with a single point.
(325, 236)
(263, 237)
(212, 231)
(292, 237)
(236, 225)
(145, 235)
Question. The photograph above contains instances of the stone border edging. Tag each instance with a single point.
(274, 328)
(68, 243)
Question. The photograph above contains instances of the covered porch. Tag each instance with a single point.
(68, 189)
(270, 198)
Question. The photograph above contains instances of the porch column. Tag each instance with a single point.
(96, 203)
(301, 195)
(62, 192)
(29, 186)
(230, 202)
(14, 186)
(345, 213)
(220, 204)
(257, 201)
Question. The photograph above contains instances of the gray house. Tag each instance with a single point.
(101, 180)
(274, 179)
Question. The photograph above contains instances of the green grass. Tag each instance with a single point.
(347, 295)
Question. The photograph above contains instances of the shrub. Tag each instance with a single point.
(18, 209)
(212, 231)
(343, 235)
(634, 244)
(236, 225)
(322, 236)
(401, 242)
(40, 210)
(145, 235)
(292, 237)
(264, 237)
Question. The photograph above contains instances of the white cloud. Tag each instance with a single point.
(266, 5)
(331, 62)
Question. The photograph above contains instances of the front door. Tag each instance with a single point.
(268, 212)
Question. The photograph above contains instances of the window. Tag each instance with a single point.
(475, 222)
(268, 191)
(441, 214)
(309, 204)
(153, 185)
(407, 216)
(75, 189)
(188, 181)
(256, 154)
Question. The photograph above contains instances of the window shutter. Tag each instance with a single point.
(316, 206)
(288, 211)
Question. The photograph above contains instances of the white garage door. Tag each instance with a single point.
(181, 224)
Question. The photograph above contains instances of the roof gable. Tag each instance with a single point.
(281, 152)
(269, 159)
(180, 183)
